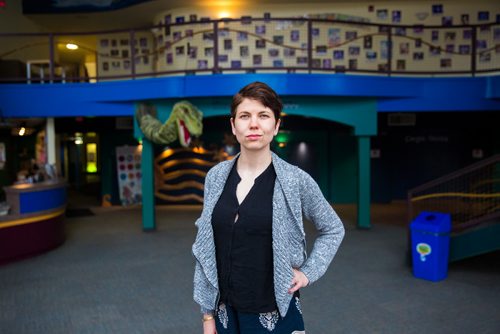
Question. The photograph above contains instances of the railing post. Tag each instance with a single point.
(132, 53)
(97, 66)
(51, 59)
(216, 48)
(473, 52)
(28, 72)
(389, 51)
(42, 74)
(309, 45)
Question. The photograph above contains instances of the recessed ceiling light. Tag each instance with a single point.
(71, 46)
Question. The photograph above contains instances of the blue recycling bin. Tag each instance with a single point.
(430, 243)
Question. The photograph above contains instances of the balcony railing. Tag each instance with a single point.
(252, 45)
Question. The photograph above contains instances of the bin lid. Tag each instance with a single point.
(436, 222)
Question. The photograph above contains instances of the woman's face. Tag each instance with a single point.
(254, 125)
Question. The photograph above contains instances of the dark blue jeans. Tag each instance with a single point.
(230, 321)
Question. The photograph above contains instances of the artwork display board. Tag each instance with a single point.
(128, 164)
(187, 41)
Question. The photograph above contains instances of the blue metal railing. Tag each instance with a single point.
(289, 45)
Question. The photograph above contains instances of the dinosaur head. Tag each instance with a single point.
(189, 121)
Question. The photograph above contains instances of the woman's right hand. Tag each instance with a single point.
(209, 327)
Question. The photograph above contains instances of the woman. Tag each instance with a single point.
(250, 247)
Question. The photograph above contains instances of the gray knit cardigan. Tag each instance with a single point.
(295, 193)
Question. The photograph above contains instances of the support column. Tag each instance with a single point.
(364, 182)
(148, 197)
(50, 137)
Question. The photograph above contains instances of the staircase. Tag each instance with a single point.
(472, 197)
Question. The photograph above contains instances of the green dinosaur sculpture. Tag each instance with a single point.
(185, 121)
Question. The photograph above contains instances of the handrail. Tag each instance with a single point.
(386, 65)
(464, 206)
(455, 174)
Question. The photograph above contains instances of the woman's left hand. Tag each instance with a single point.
(299, 281)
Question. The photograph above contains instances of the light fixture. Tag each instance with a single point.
(78, 138)
(302, 148)
(224, 15)
(22, 129)
(71, 46)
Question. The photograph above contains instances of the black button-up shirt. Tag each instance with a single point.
(244, 247)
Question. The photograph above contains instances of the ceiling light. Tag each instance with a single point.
(71, 46)
(22, 131)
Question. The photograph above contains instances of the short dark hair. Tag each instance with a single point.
(261, 92)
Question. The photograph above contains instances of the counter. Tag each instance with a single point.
(35, 222)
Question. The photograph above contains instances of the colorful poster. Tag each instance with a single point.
(128, 164)
(333, 37)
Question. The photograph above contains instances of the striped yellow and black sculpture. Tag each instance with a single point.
(179, 172)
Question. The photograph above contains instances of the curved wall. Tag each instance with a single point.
(431, 38)
(36, 220)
